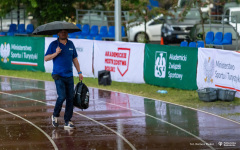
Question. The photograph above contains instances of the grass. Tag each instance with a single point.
(177, 96)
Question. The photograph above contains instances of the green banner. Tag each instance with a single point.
(170, 66)
(22, 53)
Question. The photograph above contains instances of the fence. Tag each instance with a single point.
(100, 18)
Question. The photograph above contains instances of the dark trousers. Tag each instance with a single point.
(65, 91)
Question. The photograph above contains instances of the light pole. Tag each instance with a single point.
(117, 14)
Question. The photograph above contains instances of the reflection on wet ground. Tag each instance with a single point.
(113, 121)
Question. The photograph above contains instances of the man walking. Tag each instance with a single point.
(63, 53)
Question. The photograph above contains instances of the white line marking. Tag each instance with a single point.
(124, 108)
(109, 129)
(132, 95)
(78, 114)
(177, 105)
(158, 118)
(162, 121)
(49, 138)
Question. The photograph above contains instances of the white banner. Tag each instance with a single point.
(123, 59)
(85, 56)
(84, 50)
(48, 64)
(218, 69)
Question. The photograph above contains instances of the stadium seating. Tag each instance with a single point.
(12, 29)
(123, 31)
(184, 44)
(2, 33)
(94, 31)
(209, 37)
(227, 39)
(89, 37)
(21, 29)
(192, 44)
(98, 37)
(81, 37)
(85, 30)
(111, 31)
(218, 38)
(30, 28)
(200, 44)
(76, 34)
(103, 31)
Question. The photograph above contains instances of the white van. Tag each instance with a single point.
(205, 8)
(232, 16)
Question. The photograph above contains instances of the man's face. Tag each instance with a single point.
(63, 35)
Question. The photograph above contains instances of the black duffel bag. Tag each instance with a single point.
(81, 96)
(104, 77)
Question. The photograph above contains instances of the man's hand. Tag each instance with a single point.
(58, 50)
(51, 56)
(80, 77)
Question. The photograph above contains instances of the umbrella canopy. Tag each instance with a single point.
(54, 27)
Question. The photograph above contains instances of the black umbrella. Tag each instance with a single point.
(54, 27)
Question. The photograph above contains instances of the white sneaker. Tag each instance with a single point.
(54, 121)
(69, 125)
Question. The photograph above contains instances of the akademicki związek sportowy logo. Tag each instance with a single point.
(160, 64)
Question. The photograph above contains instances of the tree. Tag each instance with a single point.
(198, 4)
(51, 10)
(43, 10)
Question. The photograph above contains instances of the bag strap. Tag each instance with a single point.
(77, 87)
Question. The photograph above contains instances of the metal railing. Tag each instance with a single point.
(220, 20)
(100, 18)
(12, 17)
(216, 23)
(222, 17)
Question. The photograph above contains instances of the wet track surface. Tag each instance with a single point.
(113, 121)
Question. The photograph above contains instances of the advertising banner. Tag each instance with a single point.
(170, 66)
(22, 53)
(123, 59)
(84, 50)
(218, 69)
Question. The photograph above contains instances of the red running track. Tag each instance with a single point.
(114, 121)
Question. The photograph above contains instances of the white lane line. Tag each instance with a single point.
(176, 105)
(163, 121)
(49, 138)
(129, 94)
(78, 114)
(156, 119)
(128, 109)
(108, 129)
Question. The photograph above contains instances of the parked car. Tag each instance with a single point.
(232, 16)
(175, 31)
(153, 30)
